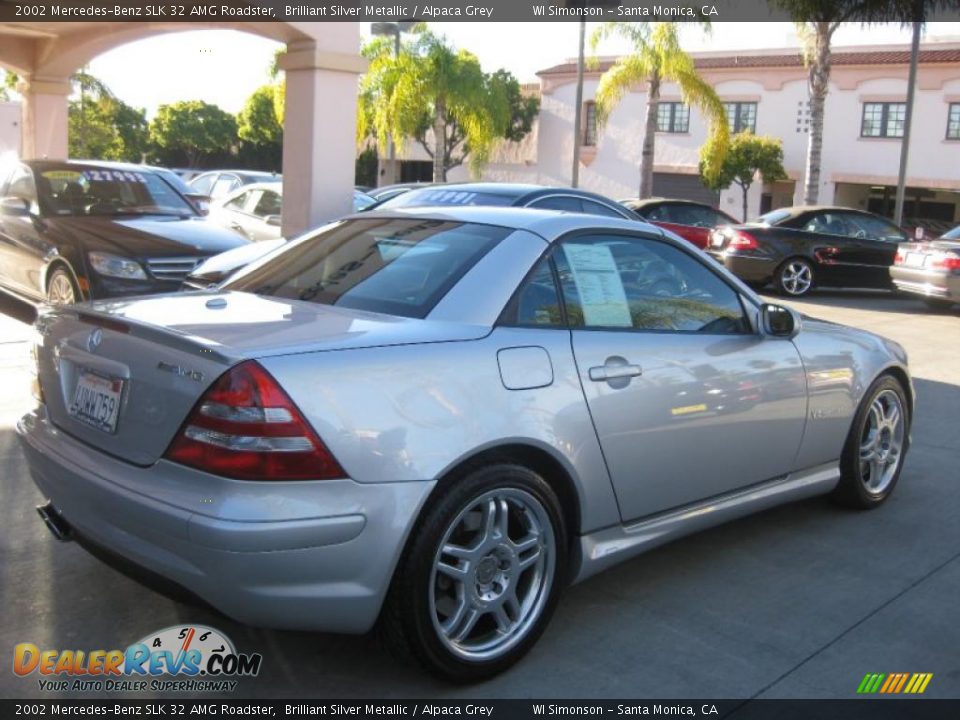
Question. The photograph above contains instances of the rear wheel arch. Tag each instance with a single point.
(534, 458)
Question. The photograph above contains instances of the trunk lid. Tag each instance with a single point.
(123, 375)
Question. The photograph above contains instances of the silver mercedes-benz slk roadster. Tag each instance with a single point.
(440, 418)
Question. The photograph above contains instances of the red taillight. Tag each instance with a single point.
(246, 427)
(946, 261)
(899, 257)
(743, 241)
(827, 255)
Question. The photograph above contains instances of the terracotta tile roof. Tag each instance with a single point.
(868, 57)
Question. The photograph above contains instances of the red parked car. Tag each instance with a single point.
(690, 220)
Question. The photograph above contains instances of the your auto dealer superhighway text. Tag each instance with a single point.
(371, 709)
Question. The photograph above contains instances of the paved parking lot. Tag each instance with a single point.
(800, 601)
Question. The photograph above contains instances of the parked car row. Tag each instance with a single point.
(79, 230)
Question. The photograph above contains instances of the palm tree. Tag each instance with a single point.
(816, 22)
(657, 58)
(430, 85)
(88, 85)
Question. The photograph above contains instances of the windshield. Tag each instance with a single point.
(76, 190)
(428, 197)
(398, 267)
(952, 234)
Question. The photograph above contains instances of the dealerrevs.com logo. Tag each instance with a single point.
(201, 658)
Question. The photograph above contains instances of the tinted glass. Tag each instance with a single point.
(639, 284)
(537, 303)
(439, 196)
(76, 190)
(868, 226)
(594, 208)
(774, 217)
(828, 223)
(399, 267)
(270, 203)
(566, 203)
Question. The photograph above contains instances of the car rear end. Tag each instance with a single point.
(741, 249)
(929, 270)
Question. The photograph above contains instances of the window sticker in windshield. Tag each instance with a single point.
(114, 176)
(66, 175)
(598, 282)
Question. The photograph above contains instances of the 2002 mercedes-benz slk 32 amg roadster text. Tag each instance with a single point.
(440, 418)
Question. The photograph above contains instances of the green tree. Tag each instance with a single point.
(260, 132)
(658, 58)
(816, 22)
(442, 98)
(191, 129)
(749, 156)
(106, 129)
(8, 85)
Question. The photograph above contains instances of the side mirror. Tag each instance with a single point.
(14, 207)
(273, 220)
(778, 321)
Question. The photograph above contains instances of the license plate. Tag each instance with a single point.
(915, 260)
(96, 401)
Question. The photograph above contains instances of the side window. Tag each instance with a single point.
(223, 185)
(641, 284)
(202, 184)
(558, 202)
(537, 303)
(238, 203)
(270, 204)
(22, 186)
(594, 208)
(829, 223)
(867, 226)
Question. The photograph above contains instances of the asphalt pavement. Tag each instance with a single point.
(801, 601)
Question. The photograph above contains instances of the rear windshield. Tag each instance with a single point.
(428, 197)
(398, 267)
(773, 217)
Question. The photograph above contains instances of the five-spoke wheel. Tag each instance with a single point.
(795, 277)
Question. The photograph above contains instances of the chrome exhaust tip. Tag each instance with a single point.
(55, 523)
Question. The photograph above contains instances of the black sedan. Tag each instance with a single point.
(73, 231)
(799, 248)
(930, 270)
(510, 194)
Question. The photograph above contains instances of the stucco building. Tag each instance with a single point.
(766, 91)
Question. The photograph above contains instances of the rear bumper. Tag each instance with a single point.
(926, 283)
(746, 267)
(305, 555)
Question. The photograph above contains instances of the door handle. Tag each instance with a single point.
(603, 373)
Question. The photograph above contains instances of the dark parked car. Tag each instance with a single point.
(798, 248)
(690, 220)
(930, 270)
(81, 230)
(385, 192)
(514, 195)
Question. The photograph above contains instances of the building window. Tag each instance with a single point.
(741, 116)
(883, 120)
(953, 122)
(589, 124)
(673, 117)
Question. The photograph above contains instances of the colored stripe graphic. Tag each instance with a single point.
(894, 683)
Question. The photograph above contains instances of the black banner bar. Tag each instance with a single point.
(872, 709)
(418, 10)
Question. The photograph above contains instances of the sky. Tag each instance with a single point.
(224, 67)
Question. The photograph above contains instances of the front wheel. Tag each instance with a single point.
(876, 446)
(794, 277)
(481, 575)
(61, 290)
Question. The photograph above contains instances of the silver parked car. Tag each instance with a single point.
(439, 418)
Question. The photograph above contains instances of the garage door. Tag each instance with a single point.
(683, 187)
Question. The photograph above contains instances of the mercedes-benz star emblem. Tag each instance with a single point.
(96, 337)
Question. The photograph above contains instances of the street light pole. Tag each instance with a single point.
(578, 111)
(908, 116)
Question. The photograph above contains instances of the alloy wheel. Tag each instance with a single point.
(796, 277)
(492, 574)
(881, 443)
(60, 291)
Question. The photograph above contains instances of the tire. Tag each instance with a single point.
(794, 277)
(875, 449)
(449, 619)
(61, 289)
